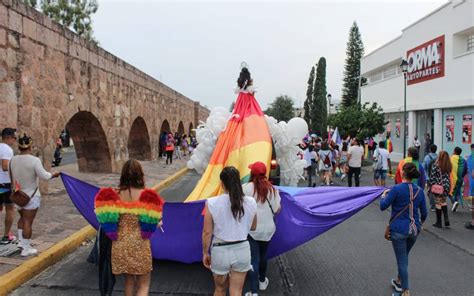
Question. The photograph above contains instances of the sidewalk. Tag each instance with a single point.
(57, 217)
(457, 235)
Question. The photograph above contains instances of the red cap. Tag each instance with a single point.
(258, 168)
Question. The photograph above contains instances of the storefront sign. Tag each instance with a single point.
(467, 128)
(426, 62)
(397, 128)
(449, 128)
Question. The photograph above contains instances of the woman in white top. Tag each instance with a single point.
(229, 218)
(25, 170)
(268, 205)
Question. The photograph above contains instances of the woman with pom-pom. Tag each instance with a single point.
(129, 216)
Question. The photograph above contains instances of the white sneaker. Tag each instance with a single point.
(263, 285)
(28, 252)
(455, 206)
(250, 294)
(21, 245)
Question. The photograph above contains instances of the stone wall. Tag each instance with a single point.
(51, 78)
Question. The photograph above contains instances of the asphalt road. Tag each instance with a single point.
(350, 259)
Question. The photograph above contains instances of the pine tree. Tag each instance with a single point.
(319, 110)
(354, 53)
(309, 98)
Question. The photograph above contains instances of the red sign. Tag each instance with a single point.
(426, 62)
(449, 128)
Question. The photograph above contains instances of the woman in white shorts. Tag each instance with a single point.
(25, 171)
(227, 223)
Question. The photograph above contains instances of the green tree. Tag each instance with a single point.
(319, 111)
(354, 53)
(74, 14)
(281, 108)
(309, 97)
(359, 121)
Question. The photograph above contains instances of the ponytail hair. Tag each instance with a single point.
(262, 187)
(244, 79)
(230, 178)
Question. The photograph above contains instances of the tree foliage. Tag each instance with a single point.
(359, 121)
(74, 14)
(354, 53)
(281, 108)
(309, 98)
(319, 105)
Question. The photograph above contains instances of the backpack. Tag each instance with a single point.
(378, 165)
(431, 164)
(327, 161)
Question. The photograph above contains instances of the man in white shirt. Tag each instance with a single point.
(355, 157)
(6, 153)
(417, 144)
(381, 164)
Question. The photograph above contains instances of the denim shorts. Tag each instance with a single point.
(380, 174)
(225, 259)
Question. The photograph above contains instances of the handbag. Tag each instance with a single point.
(412, 198)
(437, 189)
(18, 197)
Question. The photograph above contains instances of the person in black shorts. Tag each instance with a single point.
(6, 153)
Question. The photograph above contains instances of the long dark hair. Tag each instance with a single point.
(132, 175)
(230, 178)
(410, 171)
(262, 187)
(244, 79)
(444, 162)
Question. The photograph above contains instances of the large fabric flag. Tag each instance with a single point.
(245, 140)
(306, 213)
(336, 137)
(457, 174)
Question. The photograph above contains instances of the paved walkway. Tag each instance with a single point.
(58, 218)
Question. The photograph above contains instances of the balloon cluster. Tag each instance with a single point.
(286, 137)
(206, 135)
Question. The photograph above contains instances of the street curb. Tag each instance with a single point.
(30, 268)
(34, 266)
(170, 180)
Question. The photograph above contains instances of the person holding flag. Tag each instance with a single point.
(413, 157)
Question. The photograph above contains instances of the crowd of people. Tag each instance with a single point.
(177, 145)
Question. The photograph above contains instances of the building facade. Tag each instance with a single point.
(439, 49)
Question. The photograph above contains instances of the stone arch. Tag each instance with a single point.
(181, 130)
(90, 141)
(191, 127)
(139, 146)
(165, 126)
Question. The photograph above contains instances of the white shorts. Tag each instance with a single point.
(34, 203)
(225, 259)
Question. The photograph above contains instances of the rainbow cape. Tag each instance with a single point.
(398, 176)
(389, 145)
(109, 207)
(457, 173)
(245, 140)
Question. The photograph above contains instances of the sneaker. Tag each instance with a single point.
(250, 294)
(455, 206)
(28, 252)
(343, 177)
(396, 286)
(469, 225)
(263, 285)
(7, 239)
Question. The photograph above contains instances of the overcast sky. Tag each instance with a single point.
(197, 47)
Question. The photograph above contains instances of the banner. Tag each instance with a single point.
(426, 62)
(467, 128)
(449, 128)
(397, 128)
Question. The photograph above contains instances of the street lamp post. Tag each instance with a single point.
(404, 68)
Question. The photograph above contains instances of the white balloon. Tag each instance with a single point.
(297, 128)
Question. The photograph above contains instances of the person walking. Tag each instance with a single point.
(428, 144)
(310, 157)
(408, 204)
(177, 146)
(470, 171)
(162, 144)
(184, 144)
(228, 221)
(356, 155)
(325, 157)
(6, 154)
(343, 161)
(268, 206)
(169, 148)
(458, 172)
(25, 170)
(417, 144)
(427, 165)
(382, 164)
(439, 186)
(413, 157)
(129, 216)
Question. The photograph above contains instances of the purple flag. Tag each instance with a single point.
(306, 213)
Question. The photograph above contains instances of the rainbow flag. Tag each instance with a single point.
(389, 145)
(245, 140)
(457, 173)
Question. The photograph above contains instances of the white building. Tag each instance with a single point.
(440, 90)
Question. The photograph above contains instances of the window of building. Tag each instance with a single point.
(390, 72)
(470, 43)
(375, 77)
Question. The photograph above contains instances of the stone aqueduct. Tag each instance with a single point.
(51, 78)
